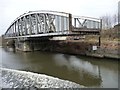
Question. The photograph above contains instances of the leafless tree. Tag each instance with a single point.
(109, 21)
(106, 21)
(119, 12)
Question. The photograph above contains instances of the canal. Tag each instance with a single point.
(87, 71)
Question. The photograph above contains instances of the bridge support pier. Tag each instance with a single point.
(34, 44)
(23, 45)
(27, 47)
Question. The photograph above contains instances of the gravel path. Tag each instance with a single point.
(22, 79)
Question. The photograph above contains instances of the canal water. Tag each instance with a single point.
(86, 71)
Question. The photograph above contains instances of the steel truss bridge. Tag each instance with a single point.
(51, 23)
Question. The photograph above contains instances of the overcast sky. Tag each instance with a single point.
(11, 9)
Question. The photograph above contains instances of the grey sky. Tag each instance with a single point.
(11, 9)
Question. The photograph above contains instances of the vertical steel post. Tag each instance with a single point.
(25, 21)
(70, 22)
(62, 24)
(12, 28)
(11, 31)
(74, 22)
(44, 23)
(30, 28)
(37, 23)
(100, 32)
(15, 29)
(100, 25)
(57, 23)
(18, 28)
(21, 27)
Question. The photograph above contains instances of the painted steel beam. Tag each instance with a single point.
(40, 23)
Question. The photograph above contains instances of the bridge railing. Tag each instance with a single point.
(86, 24)
(39, 22)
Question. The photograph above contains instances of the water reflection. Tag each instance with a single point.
(85, 70)
(90, 72)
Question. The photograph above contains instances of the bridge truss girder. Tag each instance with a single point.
(50, 23)
(38, 23)
(86, 24)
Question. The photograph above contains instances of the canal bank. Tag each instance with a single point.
(107, 46)
(108, 49)
(79, 47)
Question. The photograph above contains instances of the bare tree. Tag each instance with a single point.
(119, 12)
(115, 19)
(109, 21)
(106, 21)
